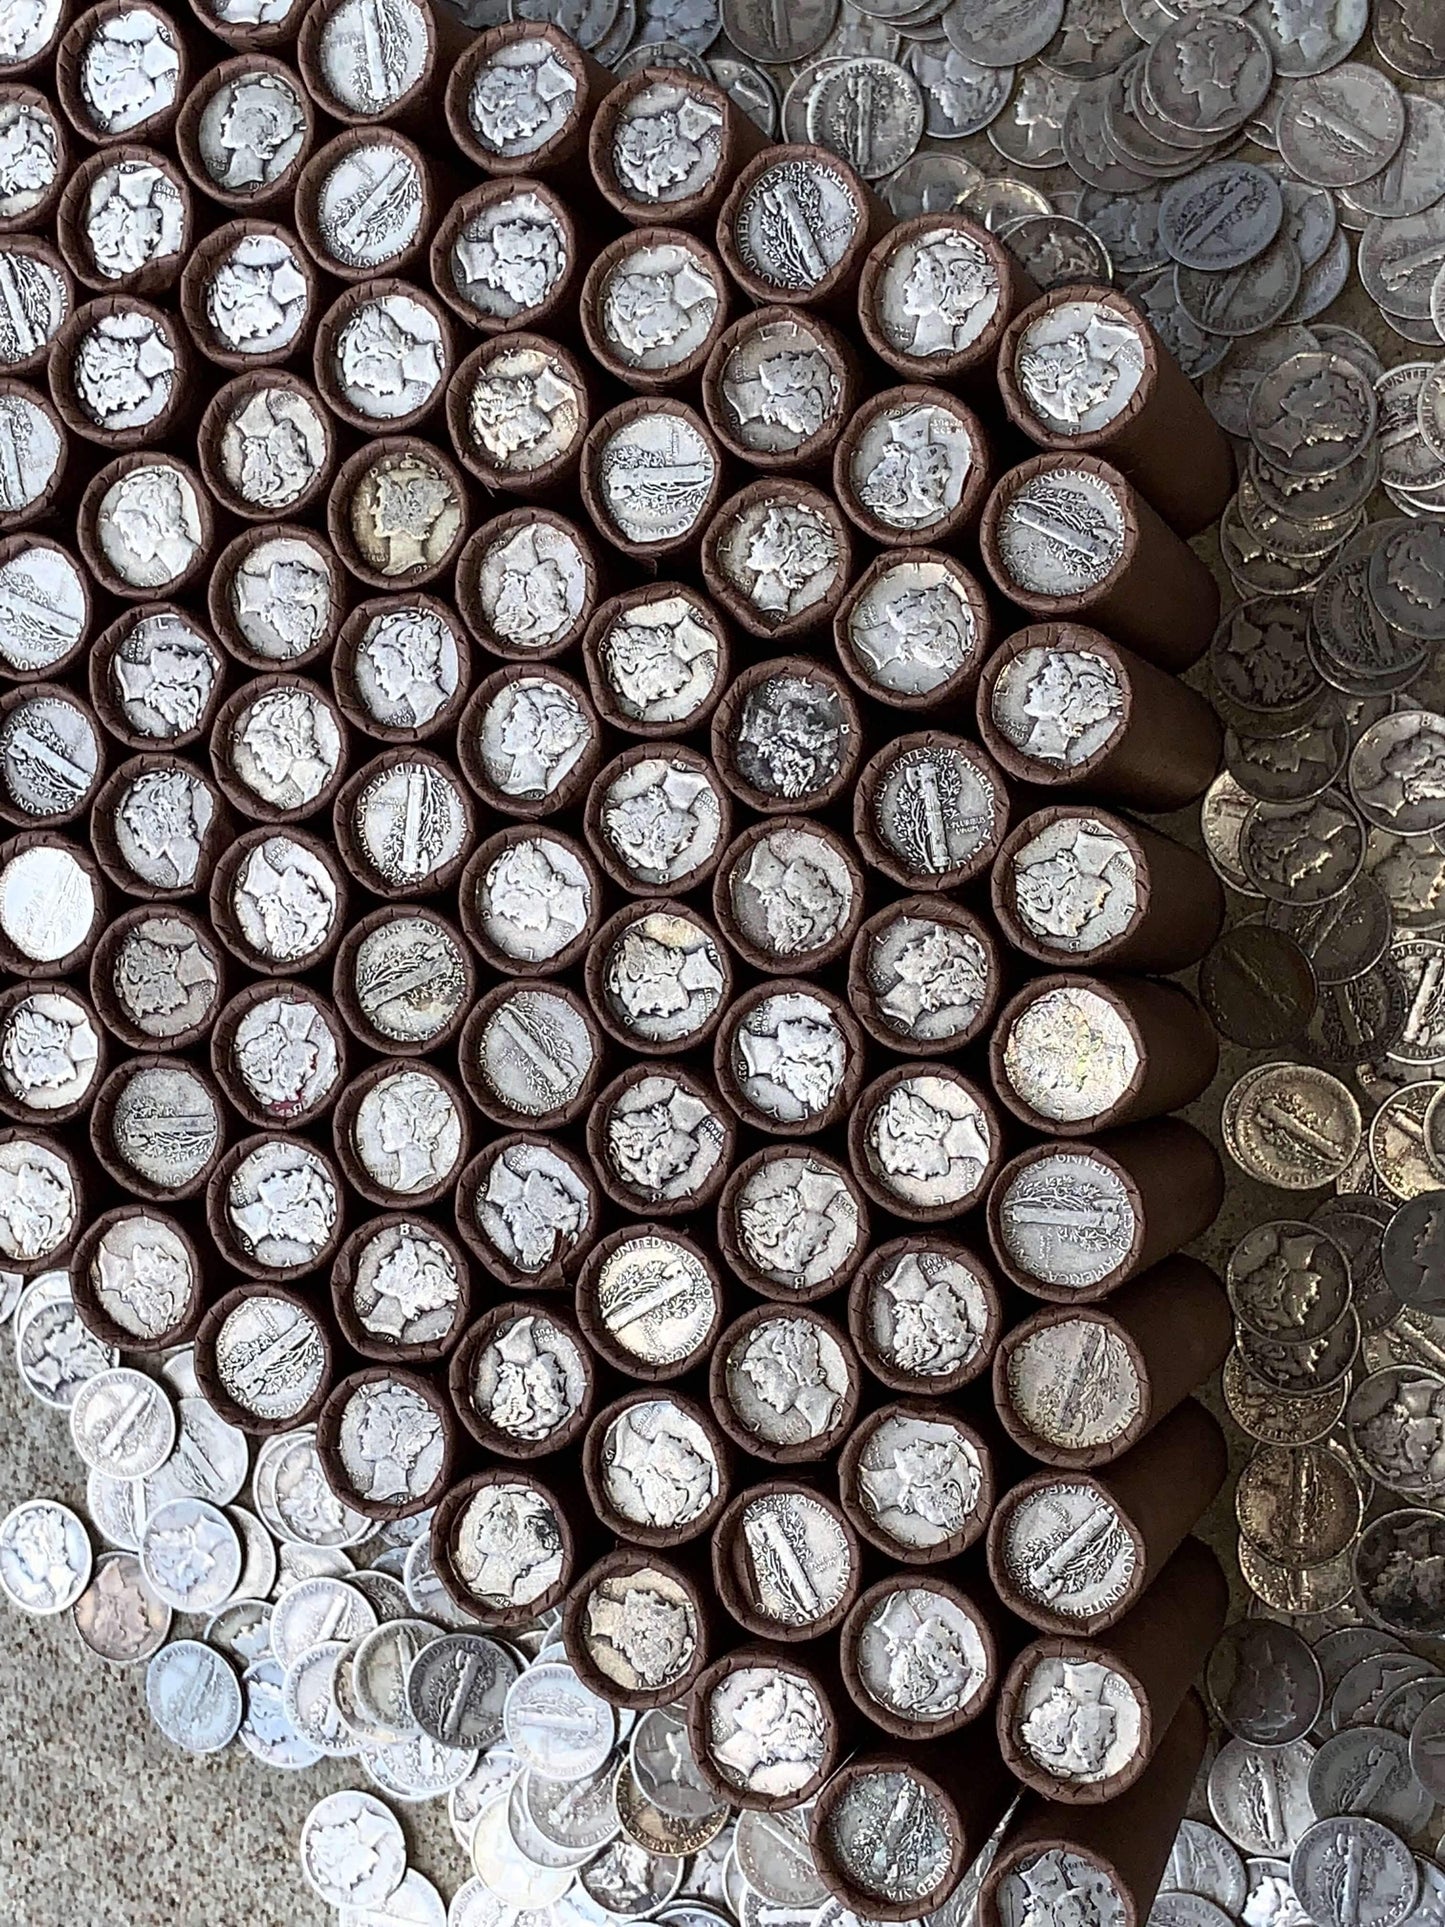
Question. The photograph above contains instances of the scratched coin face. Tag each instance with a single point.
(1071, 1055)
(667, 144)
(1075, 1384)
(1069, 1551)
(1300, 1505)
(1291, 1125)
(510, 258)
(891, 1836)
(1288, 1280)
(368, 206)
(1078, 1721)
(936, 807)
(641, 1633)
(1062, 533)
(796, 1560)
(910, 467)
(521, 98)
(1057, 1880)
(794, 224)
(766, 1731)
(912, 629)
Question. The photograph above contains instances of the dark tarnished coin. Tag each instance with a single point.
(1412, 1252)
(1343, 936)
(1264, 1683)
(1288, 1281)
(1396, 1424)
(1301, 1506)
(1258, 986)
(1359, 1020)
(1398, 1566)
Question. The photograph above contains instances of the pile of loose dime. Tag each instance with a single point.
(586, 1023)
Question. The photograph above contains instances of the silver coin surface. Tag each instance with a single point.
(533, 1206)
(667, 144)
(280, 598)
(1061, 533)
(508, 1546)
(193, 1696)
(1382, 1885)
(795, 223)
(128, 71)
(122, 1423)
(118, 1617)
(391, 1443)
(655, 475)
(272, 447)
(520, 99)
(658, 1465)
(799, 1563)
(533, 736)
(251, 131)
(641, 1632)
(45, 1557)
(1075, 1385)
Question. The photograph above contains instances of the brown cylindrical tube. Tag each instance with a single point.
(760, 1785)
(963, 1488)
(165, 70)
(924, 975)
(538, 382)
(171, 484)
(788, 1429)
(565, 1343)
(1060, 705)
(769, 1105)
(403, 91)
(1129, 575)
(239, 1251)
(792, 1224)
(294, 133)
(914, 631)
(963, 1129)
(621, 444)
(553, 1262)
(172, 1244)
(38, 1239)
(1158, 1032)
(1160, 435)
(33, 201)
(764, 196)
(29, 337)
(930, 810)
(30, 414)
(109, 1146)
(962, 1786)
(693, 280)
(160, 252)
(606, 1314)
(1169, 900)
(818, 378)
(702, 1137)
(138, 958)
(31, 926)
(520, 544)
(752, 880)
(952, 1288)
(38, 704)
(546, 1518)
(248, 36)
(569, 1085)
(806, 1603)
(525, 61)
(1129, 1516)
(416, 1393)
(630, 1426)
(168, 878)
(280, 585)
(301, 416)
(627, 173)
(693, 854)
(952, 341)
(778, 557)
(323, 237)
(1149, 1347)
(223, 336)
(1128, 1841)
(986, 1633)
(677, 1589)
(483, 300)
(282, 1339)
(408, 377)
(374, 1340)
(312, 1086)
(409, 553)
(485, 928)
(305, 856)
(664, 625)
(1142, 1192)
(885, 511)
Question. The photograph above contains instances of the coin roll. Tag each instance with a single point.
(265, 1357)
(640, 1627)
(954, 1792)
(705, 141)
(930, 810)
(913, 467)
(42, 479)
(1145, 902)
(959, 1307)
(518, 411)
(811, 1689)
(46, 146)
(135, 261)
(401, 1132)
(402, 668)
(924, 1141)
(924, 975)
(130, 689)
(340, 186)
(262, 1027)
(652, 477)
(54, 908)
(40, 293)
(1161, 1051)
(686, 298)
(278, 863)
(1059, 704)
(1131, 403)
(1140, 1192)
(914, 631)
(792, 1224)
(248, 1235)
(1149, 1660)
(1156, 1340)
(768, 246)
(47, 608)
(387, 1441)
(665, 1323)
(967, 1464)
(816, 374)
(902, 1609)
(362, 77)
(246, 169)
(649, 1429)
(51, 1193)
(784, 1384)
(527, 1207)
(156, 1128)
(383, 354)
(658, 977)
(279, 749)
(115, 1254)
(151, 57)
(657, 659)
(1130, 576)
(121, 375)
(380, 544)
(413, 1263)
(528, 582)
(508, 1338)
(767, 1587)
(1126, 1518)
(520, 99)
(935, 296)
(661, 1140)
(531, 1055)
(752, 1065)
(403, 823)
(122, 827)
(787, 736)
(1125, 1843)
(546, 1532)
(277, 597)
(249, 36)
(216, 299)
(157, 978)
(472, 273)
(757, 886)
(678, 788)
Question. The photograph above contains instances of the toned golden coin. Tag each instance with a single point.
(1277, 1418)
(1299, 1505)
(1298, 1591)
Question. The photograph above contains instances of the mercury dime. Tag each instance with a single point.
(406, 667)
(280, 598)
(535, 899)
(142, 1274)
(1392, 768)
(766, 1731)
(1055, 1880)
(556, 1725)
(368, 206)
(912, 629)
(1396, 1422)
(511, 257)
(508, 1547)
(49, 1051)
(39, 1201)
(49, 756)
(409, 979)
(787, 1381)
(1366, 1770)
(778, 387)
(1301, 1506)
(796, 1221)
(790, 1057)
(411, 822)
(525, 410)
(270, 1358)
(641, 1632)
(1079, 366)
(285, 900)
(911, 465)
(529, 1380)
(794, 224)
(389, 356)
(133, 216)
(1288, 1281)
(935, 806)
(407, 1132)
(535, 1053)
(251, 131)
(1078, 1720)
(656, 1298)
(353, 1852)
(36, 303)
(282, 1205)
(29, 156)
(285, 747)
(1069, 1551)
(272, 448)
(630, 1881)
(42, 605)
(890, 1835)
(656, 473)
(148, 525)
(193, 1696)
(521, 98)
(45, 1557)
(118, 1617)
(782, 556)
(1075, 1385)
(929, 1142)
(792, 893)
(775, 1860)
(190, 1555)
(405, 513)
(664, 978)
(658, 1465)
(163, 673)
(1259, 1795)
(1062, 533)
(371, 53)
(129, 70)
(34, 452)
(1312, 414)
(285, 1055)
(1264, 1683)
(533, 1206)
(658, 306)
(869, 111)
(122, 1423)
(123, 371)
(29, 30)
(391, 1443)
(662, 1141)
(532, 587)
(534, 733)
(662, 818)
(799, 1564)
(919, 1481)
(406, 1287)
(667, 144)
(1071, 1055)
(1354, 1870)
(1075, 885)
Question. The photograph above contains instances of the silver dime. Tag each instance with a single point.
(1068, 1551)
(1075, 1385)
(641, 1632)
(193, 1696)
(960, 96)
(1288, 1281)
(409, 979)
(39, 1201)
(1259, 1796)
(792, 894)
(927, 1313)
(891, 1836)
(1079, 366)
(655, 477)
(42, 605)
(49, 1051)
(658, 305)
(163, 673)
(661, 660)
(1075, 884)
(29, 154)
(129, 70)
(533, 1206)
(787, 1381)
(371, 53)
(1059, 706)
(1366, 1770)
(656, 1299)
(934, 806)
(272, 448)
(406, 668)
(525, 409)
(35, 451)
(790, 1057)
(781, 556)
(353, 1852)
(133, 216)
(285, 1055)
(534, 733)
(36, 303)
(1354, 1873)
(778, 387)
(918, 1480)
(531, 587)
(929, 1142)
(285, 900)
(45, 1557)
(410, 822)
(522, 96)
(662, 1140)
(667, 144)
(142, 1275)
(407, 1133)
(794, 224)
(457, 1687)
(165, 1125)
(508, 1549)
(799, 1565)
(662, 818)
(556, 1725)
(663, 978)
(391, 1443)
(1341, 127)
(123, 371)
(510, 258)
(49, 756)
(122, 1423)
(535, 899)
(912, 629)
(388, 356)
(282, 1205)
(796, 1221)
(529, 1380)
(920, 1656)
(280, 598)
(928, 979)
(251, 131)
(368, 205)
(1079, 1721)
(535, 1053)
(1070, 1055)
(315, 1612)
(766, 1731)
(911, 464)
(118, 1617)
(405, 513)
(1067, 1219)
(1061, 533)
(869, 111)
(658, 1466)
(1222, 216)
(406, 1287)
(148, 525)
(191, 1555)
(1053, 1879)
